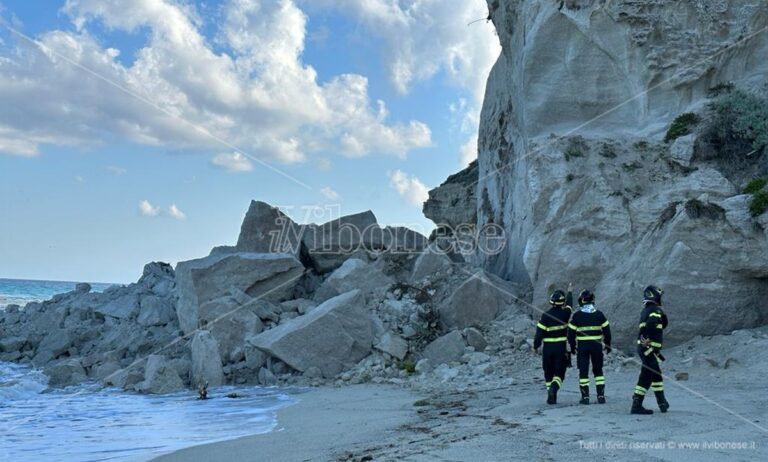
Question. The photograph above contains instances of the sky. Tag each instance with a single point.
(137, 131)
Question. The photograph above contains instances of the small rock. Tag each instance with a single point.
(475, 339)
(11, 344)
(83, 288)
(484, 369)
(409, 331)
(393, 345)
(423, 366)
(266, 377)
(313, 373)
(681, 376)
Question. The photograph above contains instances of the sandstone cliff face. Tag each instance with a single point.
(572, 165)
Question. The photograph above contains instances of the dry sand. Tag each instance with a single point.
(511, 422)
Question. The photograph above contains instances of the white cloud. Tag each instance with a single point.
(424, 38)
(117, 171)
(330, 194)
(174, 212)
(80, 179)
(468, 151)
(234, 162)
(410, 188)
(253, 90)
(147, 209)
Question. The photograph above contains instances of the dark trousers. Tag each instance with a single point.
(650, 373)
(554, 361)
(590, 351)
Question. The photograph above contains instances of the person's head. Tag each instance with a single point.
(586, 297)
(653, 294)
(557, 299)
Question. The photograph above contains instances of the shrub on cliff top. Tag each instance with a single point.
(681, 126)
(745, 113)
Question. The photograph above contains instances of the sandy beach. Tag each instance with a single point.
(324, 423)
(385, 423)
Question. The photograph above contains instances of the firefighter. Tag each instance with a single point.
(590, 328)
(552, 332)
(650, 337)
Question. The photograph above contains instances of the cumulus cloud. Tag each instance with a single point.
(234, 162)
(147, 209)
(410, 188)
(330, 194)
(252, 90)
(174, 212)
(424, 38)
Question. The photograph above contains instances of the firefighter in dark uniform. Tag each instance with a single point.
(552, 332)
(650, 340)
(590, 328)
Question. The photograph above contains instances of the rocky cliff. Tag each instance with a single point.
(574, 164)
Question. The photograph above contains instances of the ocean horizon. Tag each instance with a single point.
(23, 291)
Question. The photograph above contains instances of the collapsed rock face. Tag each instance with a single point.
(610, 207)
(453, 202)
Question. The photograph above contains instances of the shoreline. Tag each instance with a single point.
(323, 424)
(506, 422)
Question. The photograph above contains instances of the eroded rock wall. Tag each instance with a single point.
(572, 165)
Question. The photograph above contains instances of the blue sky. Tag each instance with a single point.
(360, 103)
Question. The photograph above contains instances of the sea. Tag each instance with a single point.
(22, 291)
(88, 423)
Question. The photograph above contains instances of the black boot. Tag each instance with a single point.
(637, 405)
(601, 394)
(662, 401)
(552, 393)
(584, 395)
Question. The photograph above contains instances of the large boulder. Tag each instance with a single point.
(65, 373)
(155, 311)
(332, 337)
(266, 229)
(430, 262)
(53, 345)
(330, 244)
(446, 349)
(159, 278)
(125, 306)
(477, 301)
(206, 360)
(160, 377)
(269, 276)
(230, 323)
(352, 274)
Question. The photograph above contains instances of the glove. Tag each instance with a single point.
(608, 349)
